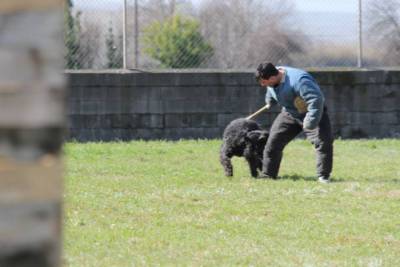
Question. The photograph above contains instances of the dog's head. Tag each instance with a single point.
(258, 138)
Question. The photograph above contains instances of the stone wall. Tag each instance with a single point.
(32, 122)
(124, 105)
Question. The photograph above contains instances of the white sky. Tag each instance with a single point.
(349, 6)
(334, 19)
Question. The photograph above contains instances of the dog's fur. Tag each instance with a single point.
(243, 138)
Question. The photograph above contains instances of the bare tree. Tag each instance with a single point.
(244, 33)
(384, 29)
(161, 9)
(90, 38)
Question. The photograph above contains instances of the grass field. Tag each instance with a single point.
(168, 203)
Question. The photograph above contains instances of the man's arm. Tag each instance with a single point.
(269, 99)
(312, 95)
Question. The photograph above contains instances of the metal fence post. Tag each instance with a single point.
(124, 34)
(360, 54)
(136, 61)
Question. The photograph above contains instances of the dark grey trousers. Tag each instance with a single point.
(284, 129)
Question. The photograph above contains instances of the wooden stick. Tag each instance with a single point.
(257, 112)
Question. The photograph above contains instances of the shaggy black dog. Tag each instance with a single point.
(243, 138)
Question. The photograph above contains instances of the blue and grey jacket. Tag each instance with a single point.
(299, 94)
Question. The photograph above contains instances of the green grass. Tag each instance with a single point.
(168, 203)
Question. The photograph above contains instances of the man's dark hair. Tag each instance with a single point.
(265, 71)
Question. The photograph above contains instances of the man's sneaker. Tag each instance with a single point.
(324, 179)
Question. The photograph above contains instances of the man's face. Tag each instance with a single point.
(271, 81)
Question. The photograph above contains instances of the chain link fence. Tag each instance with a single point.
(230, 34)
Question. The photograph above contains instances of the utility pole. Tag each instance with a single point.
(124, 34)
(136, 59)
(360, 48)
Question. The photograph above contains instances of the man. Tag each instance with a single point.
(303, 109)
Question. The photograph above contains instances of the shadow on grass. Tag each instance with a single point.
(387, 180)
(334, 179)
(296, 177)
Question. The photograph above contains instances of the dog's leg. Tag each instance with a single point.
(225, 159)
(259, 163)
(252, 160)
(253, 166)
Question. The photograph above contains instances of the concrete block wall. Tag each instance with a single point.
(125, 105)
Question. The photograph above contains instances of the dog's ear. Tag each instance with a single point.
(257, 136)
(263, 135)
(253, 136)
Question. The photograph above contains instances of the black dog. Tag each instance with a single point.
(243, 138)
